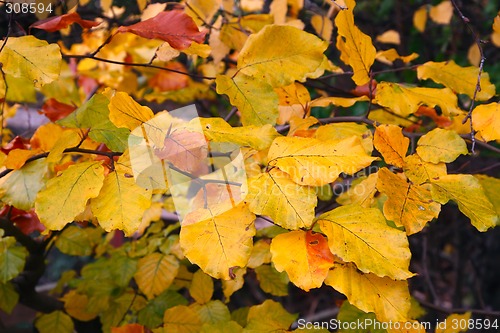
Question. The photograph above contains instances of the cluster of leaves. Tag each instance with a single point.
(75, 182)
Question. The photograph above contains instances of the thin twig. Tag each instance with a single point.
(477, 41)
(231, 114)
(452, 310)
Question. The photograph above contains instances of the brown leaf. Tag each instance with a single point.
(52, 24)
(174, 27)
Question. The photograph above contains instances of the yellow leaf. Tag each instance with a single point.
(442, 13)
(155, 273)
(68, 139)
(354, 235)
(323, 26)
(462, 80)
(408, 205)
(76, 306)
(125, 112)
(202, 287)
(56, 321)
(166, 52)
(212, 312)
(389, 37)
(491, 188)
(181, 319)
(474, 55)
(260, 254)
(391, 55)
(388, 299)
(256, 100)
(229, 287)
(289, 205)
(341, 131)
(202, 11)
(293, 101)
(20, 187)
(486, 120)
(218, 240)
(300, 125)
(278, 10)
(340, 101)
(258, 137)
(358, 48)
(314, 162)
(361, 193)
(121, 203)
(202, 50)
(269, 316)
(470, 197)
(66, 195)
(440, 145)
(405, 101)
(454, 323)
(306, 262)
(420, 18)
(386, 117)
(31, 58)
(391, 143)
(418, 171)
(294, 56)
(495, 36)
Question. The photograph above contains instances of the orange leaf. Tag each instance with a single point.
(129, 328)
(167, 81)
(391, 143)
(52, 24)
(174, 27)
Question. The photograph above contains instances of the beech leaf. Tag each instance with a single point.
(391, 143)
(306, 262)
(486, 120)
(56, 23)
(354, 236)
(175, 27)
(125, 112)
(440, 145)
(155, 273)
(66, 195)
(388, 299)
(408, 204)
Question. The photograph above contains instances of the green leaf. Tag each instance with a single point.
(268, 317)
(56, 321)
(350, 314)
(256, 100)
(152, 314)
(31, 58)
(468, 193)
(272, 281)
(94, 115)
(202, 287)
(181, 318)
(117, 310)
(66, 195)
(213, 312)
(294, 56)
(74, 241)
(155, 273)
(20, 187)
(12, 259)
(222, 327)
(8, 297)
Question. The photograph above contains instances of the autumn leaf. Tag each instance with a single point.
(408, 204)
(361, 192)
(391, 143)
(418, 171)
(486, 120)
(469, 195)
(56, 23)
(440, 145)
(405, 100)
(56, 321)
(258, 137)
(462, 80)
(8, 297)
(31, 58)
(174, 27)
(55, 110)
(341, 131)
(127, 113)
(313, 162)
(181, 318)
(66, 195)
(388, 299)
(128, 328)
(155, 273)
(218, 240)
(307, 262)
(121, 203)
(12, 258)
(359, 52)
(269, 316)
(352, 233)
(274, 194)
(294, 56)
(453, 323)
(255, 99)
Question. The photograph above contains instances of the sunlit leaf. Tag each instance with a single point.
(440, 145)
(418, 171)
(391, 143)
(486, 120)
(125, 112)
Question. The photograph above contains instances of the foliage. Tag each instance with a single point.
(270, 83)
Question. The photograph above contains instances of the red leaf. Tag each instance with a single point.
(27, 222)
(52, 24)
(174, 27)
(55, 110)
(16, 143)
